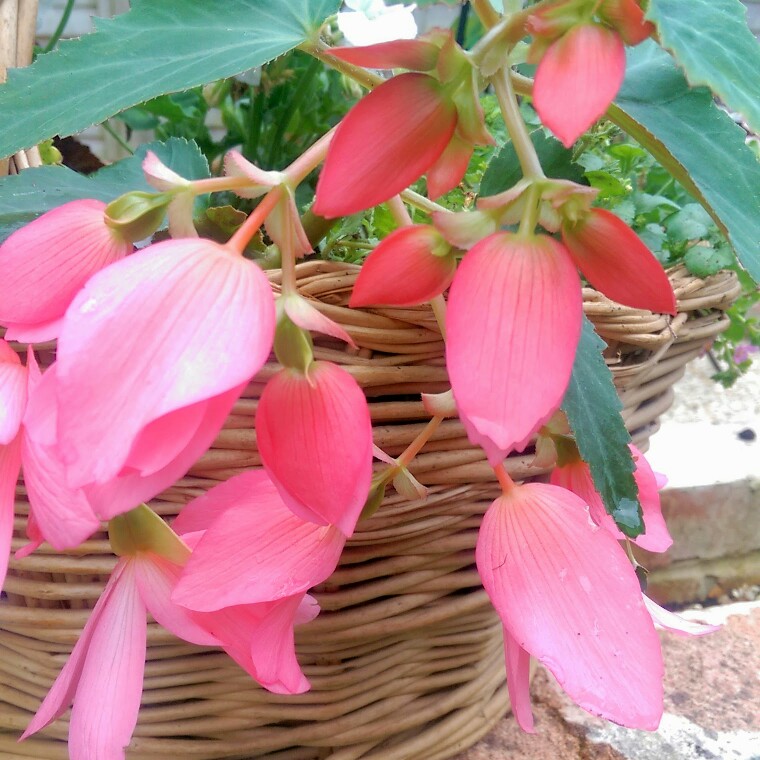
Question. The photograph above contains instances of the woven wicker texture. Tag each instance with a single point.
(406, 657)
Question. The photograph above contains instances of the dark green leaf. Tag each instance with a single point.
(712, 43)
(703, 260)
(24, 196)
(697, 143)
(593, 410)
(155, 48)
(504, 169)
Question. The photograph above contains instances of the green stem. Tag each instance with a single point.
(321, 51)
(529, 217)
(116, 136)
(295, 103)
(60, 28)
(486, 12)
(421, 202)
(526, 153)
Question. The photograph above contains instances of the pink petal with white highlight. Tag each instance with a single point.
(514, 309)
(321, 459)
(577, 78)
(404, 269)
(160, 176)
(276, 553)
(44, 264)
(447, 172)
(283, 225)
(261, 182)
(415, 55)
(378, 453)
(159, 331)
(105, 708)
(34, 535)
(615, 260)
(675, 623)
(38, 333)
(251, 487)
(439, 404)
(465, 228)
(408, 122)
(307, 317)
(62, 692)
(576, 477)
(569, 596)
(517, 661)
(156, 578)
(10, 463)
(180, 215)
(13, 392)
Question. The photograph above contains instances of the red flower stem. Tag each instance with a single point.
(252, 224)
(505, 481)
(399, 212)
(416, 445)
(526, 153)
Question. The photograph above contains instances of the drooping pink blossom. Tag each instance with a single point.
(513, 324)
(628, 19)
(567, 595)
(387, 141)
(577, 78)
(615, 261)
(45, 263)
(576, 477)
(147, 345)
(411, 266)
(314, 435)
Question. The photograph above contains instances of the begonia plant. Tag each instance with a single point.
(160, 327)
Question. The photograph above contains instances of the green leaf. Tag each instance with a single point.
(24, 196)
(696, 142)
(504, 169)
(691, 222)
(713, 44)
(593, 410)
(704, 260)
(155, 48)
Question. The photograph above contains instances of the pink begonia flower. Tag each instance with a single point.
(567, 595)
(513, 324)
(45, 263)
(252, 604)
(615, 260)
(180, 210)
(411, 266)
(386, 142)
(577, 78)
(576, 477)
(321, 460)
(147, 346)
(103, 676)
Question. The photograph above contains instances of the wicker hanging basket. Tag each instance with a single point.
(405, 659)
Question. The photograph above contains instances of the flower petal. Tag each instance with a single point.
(518, 681)
(577, 78)
(159, 331)
(447, 172)
(675, 623)
(415, 55)
(387, 141)
(465, 228)
(62, 692)
(276, 553)
(307, 317)
(283, 225)
(45, 263)
(13, 392)
(569, 596)
(159, 175)
(10, 463)
(315, 439)
(235, 165)
(156, 578)
(110, 685)
(615, 260)
(514, 310)
(407, 268)
(627, 17)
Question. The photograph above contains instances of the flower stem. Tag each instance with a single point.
(421, 202)
(526, 153)
(438, 304)
(357, 73)
(505, 481)
(399, 212)
(416, 445)
(529, 217)
(309, 160)
(251, 225)
(486, 13)
(219, 184)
